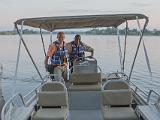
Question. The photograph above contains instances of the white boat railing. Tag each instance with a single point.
(30, 99)
(147, 96)
(10, 106)
(157, 103)
(18, 100)
(1, 71)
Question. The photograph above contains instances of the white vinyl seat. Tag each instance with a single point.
(115, 85)
(53, 86)
(53, 102)
(85, 82)
(86, 66)
(51, 114)
(117, 99)
(119, 113)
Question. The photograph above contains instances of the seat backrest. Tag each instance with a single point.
(86, 66)
(51, 99)
(115, 85)
(117, 97)
(85, 78)
(85, 69)
(53, 86)
(53, 94)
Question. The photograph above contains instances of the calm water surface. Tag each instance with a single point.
(106, 53)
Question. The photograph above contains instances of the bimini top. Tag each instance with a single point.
(67, 22)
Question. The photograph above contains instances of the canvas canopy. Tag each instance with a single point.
(67, 22)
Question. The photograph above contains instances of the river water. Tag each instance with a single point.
(106, 53)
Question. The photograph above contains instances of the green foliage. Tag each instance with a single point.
(113, 31)
(107, 31)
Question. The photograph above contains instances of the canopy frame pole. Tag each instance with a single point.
(28, 52)
(141, 36)
(51, 37)
(145, 50)
(125, 43)
(18, 57)
(42, 40)
(19, 49)
(120, 51)
(16, 69)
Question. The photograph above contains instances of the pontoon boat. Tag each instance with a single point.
(89, 94)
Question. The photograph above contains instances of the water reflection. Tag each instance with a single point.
(106, 52)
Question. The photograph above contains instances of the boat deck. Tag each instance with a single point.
(85, 105)
(85, 115)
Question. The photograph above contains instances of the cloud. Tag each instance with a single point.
(138, 4)
(90, 11)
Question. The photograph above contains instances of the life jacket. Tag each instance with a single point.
(61, 53)
(77, 51)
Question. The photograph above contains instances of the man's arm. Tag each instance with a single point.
(88, 49)
(69, 47)
(50, 53)
(46, 60)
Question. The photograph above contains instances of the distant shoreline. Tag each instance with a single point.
(107, 31)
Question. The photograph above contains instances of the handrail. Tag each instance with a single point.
(6, 107)
(8, 103)
(30, 93)
(149, 96)
(137, 88)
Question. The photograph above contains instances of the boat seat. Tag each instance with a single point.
(119, 113)
(51, 114)
(53, 102)
(53, 86)
(85, 69)
(85, 82)
(52, 99)
(85, 87)
(117, 99)
(115, 85)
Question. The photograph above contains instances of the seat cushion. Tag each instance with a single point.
(50, 99)
(85, 78)
(51, 114)
(85, 87)
(117, 97)
(119, 113)
(53, 86)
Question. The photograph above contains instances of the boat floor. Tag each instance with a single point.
(85, 105)
(85, 115)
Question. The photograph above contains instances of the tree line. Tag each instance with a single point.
(96, 31)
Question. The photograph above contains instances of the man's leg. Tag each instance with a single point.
(64, 74)
(71, 66)
(58, 73)
(51, 71)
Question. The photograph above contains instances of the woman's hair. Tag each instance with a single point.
(59, 33)
(77, 36)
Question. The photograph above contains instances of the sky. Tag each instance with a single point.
(11, 10)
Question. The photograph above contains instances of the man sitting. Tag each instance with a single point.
(76, 50)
